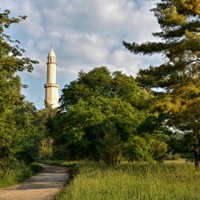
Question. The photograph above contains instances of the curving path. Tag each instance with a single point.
(42, 186)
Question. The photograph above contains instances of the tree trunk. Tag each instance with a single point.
(197, 165)
(196, 159)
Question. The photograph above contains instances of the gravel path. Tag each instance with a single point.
(42, 186)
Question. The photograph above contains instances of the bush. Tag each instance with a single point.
(36, 167)
(61, 163)
(176, 156)
(18, 173)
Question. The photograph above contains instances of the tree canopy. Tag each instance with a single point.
(100, 110)
(11, 99)
(177, 79)
(91, 126)
(100, 82)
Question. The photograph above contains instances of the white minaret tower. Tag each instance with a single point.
(51, 87)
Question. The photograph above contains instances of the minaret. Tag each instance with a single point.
(51, 87)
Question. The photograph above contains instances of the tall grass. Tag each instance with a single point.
(96, 181)
(19, 173)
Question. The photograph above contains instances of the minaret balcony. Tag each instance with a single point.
(51, 85)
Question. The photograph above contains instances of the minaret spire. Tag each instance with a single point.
(51, 87)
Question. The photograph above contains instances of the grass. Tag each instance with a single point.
(136, 181)
(18, 174)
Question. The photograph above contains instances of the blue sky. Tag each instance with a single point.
(85, 34)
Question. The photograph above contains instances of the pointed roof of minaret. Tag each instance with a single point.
(51, 53)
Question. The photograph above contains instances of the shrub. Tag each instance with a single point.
(36, 167)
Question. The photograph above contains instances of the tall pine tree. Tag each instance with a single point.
(178, 78)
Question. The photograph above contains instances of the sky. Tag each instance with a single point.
(84, 34)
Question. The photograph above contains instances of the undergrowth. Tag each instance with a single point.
(18, 173)
(61, 163)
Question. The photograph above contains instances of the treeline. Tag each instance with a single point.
(106, 116)
(109, 116)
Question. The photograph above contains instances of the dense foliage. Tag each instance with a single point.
(100, 82)
(17, 132)
(99, 118)
(18, 174)
(177, 79)
(107, 116)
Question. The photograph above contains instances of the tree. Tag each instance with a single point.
(98, 110)
(43, 121)
(89, 128)
(11, 61)
(100, 82)
(27, 137)
(137, 150)
(150, 141)
(177, 79)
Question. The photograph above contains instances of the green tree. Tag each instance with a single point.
(89, 128)
(138, 149)
(11, 61)
(98, 110)
(100, 82)
(176, 80)
(43, 121)
(27, 138)
(150, 141)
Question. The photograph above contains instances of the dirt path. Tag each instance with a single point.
(42, 186)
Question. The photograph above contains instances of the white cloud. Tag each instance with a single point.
(85, 34)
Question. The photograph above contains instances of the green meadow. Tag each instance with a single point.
(132, 181)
